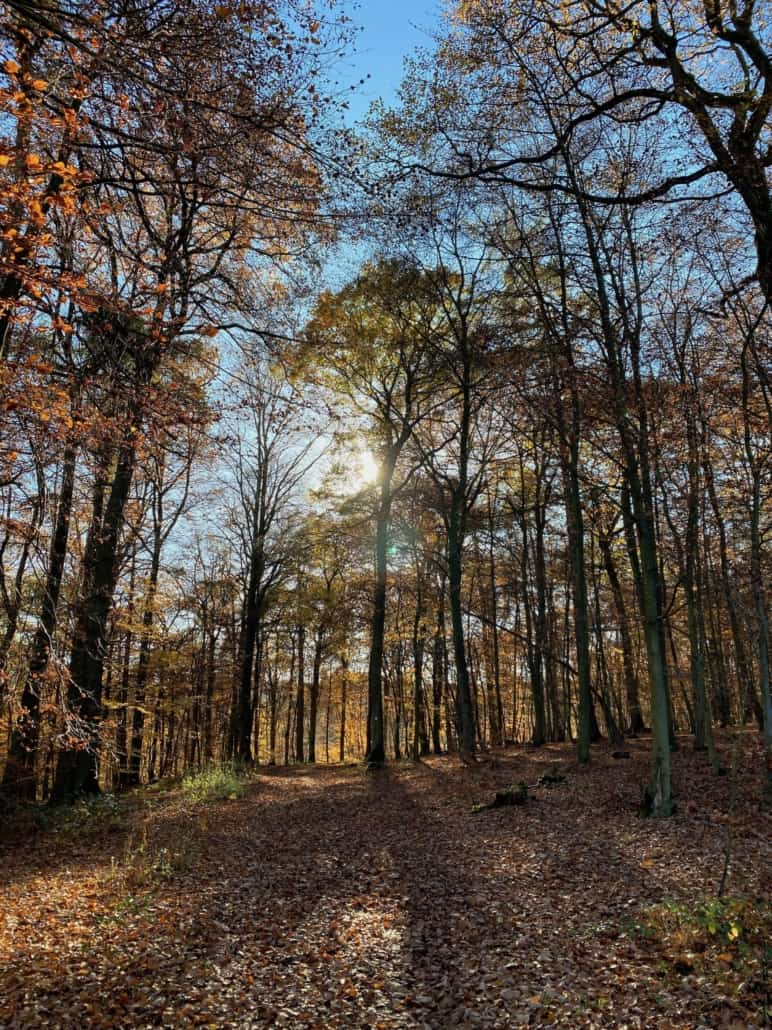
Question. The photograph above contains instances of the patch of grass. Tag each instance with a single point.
(147, 862)
(216, 784)
(726, 939)
(129, 908)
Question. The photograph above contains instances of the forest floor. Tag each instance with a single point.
(329, 897)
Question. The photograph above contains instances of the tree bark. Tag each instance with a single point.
(19, 774)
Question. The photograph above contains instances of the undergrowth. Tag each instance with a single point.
(216, 784)
(148, 862)
(729, 939)
(102, 813)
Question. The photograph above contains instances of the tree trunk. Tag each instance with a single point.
(314, 694)
(438, 671)
(375, 754)
(77, 770)
(19, 774)
(464, 710)
(301, 695)
(343, 700)
(635, 722)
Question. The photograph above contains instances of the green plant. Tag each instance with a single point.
(87, 816)
(215, 784)
(147, 862)
(128, 908)
(724, 938)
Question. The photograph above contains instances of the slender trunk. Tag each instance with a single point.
(757, 576)
(464, 709)
(77, 770)
(301, 695)
(249, 638)
(540, 634)
(496, 709)
(314, 694)
(121, 734)
(211, 674)
(420, 737)
(581, 632)
(19, 775)
(659, 795)
(132, 776)
(328, 714)
(703, 728)
(438, 673)
(343, 701)
(635, 721)
(375, 754)
(744, 674)
(273, 698)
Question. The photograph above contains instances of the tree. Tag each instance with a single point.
(697, 76)
(368, 343)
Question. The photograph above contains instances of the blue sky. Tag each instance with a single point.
(390, 30)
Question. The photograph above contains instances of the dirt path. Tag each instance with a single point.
(333, 898)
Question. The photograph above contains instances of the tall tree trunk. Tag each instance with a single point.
(464, 709)
(210, 639)
(121, 734)
(273, 699)
(314, 693)
(77, 770)
(495, 707)
(757, 580)
(19, 774)
(747, 686)
(438, 670)
(343, 701)
(703, 728)
(249, 639)
(635, 722)
(132, 776)
(582, 636)
(375, 754)
(301, 695)
(420, 737)
(659, 796)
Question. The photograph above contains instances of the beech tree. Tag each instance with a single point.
(369, 342)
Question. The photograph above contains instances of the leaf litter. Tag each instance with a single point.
(330, 897)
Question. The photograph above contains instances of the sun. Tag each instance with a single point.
(366, 469)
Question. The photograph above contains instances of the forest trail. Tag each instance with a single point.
(328, 897)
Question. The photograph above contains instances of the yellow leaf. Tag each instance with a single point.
(5, 159)
(39, 85)
(648, 863)
(12, 67)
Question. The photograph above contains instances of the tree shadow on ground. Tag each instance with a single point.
(340, 898)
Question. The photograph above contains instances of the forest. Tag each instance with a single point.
(428, 448)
